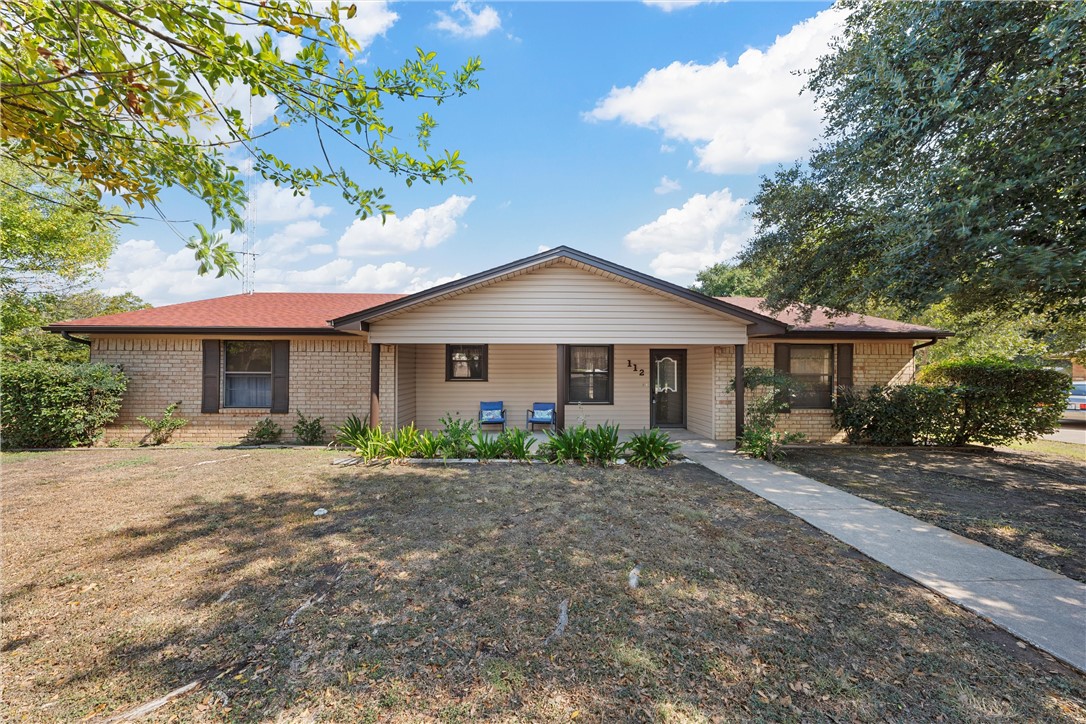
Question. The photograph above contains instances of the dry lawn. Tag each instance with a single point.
(431, 593)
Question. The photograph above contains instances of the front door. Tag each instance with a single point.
(667, 387)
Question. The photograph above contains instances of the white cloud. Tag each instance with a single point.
(542, 248)
(372, 19)
(707, 229)
(280, 203)
(288, 243)
(667, 185)
(669, 5)
(468, 23)
(419, 283)
(320, 249)
(141, 266)
(667, 148)
(740, 116)
(421, 229)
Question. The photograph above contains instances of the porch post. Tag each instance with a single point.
(563, 388)
(375, 385)
(740, 411)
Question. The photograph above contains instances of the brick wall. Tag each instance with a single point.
(329, 378)
(874, 363)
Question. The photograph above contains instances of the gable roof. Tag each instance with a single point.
(259, 313)
(759, 323)
(824, 324)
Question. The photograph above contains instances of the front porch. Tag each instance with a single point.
(680, 388)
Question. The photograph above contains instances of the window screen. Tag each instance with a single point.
(590, 375)
(247, 382)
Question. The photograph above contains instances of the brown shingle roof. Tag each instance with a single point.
(821, 322)
(264, 310)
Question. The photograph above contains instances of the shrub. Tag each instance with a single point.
(161, 430)
(566, 446)
(650, 449)
(1000, 401)
(264, 432)
(772, 392)
(402, 444)
(309, 430)
(517, 443)
(457, 436)
(48, 404)
(429, 445)
(603, 445)
(986, 401)
(485, 447)
(353, 432)
(897, 415)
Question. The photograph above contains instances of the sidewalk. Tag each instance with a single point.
(1036, 605)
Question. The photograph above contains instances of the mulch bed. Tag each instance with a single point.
(434, 594)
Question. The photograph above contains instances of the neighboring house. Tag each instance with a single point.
(605, 342)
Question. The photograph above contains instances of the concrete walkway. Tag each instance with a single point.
(1036, 605)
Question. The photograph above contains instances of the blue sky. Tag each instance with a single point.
(634, 131)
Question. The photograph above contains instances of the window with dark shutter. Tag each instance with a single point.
(210, 397)
(811, 367)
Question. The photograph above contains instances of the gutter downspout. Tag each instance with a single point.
(918, 347)
(68, 336)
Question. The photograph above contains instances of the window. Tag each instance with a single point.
(590, 375)
(811, 366)
(248, 378)
(465, 362)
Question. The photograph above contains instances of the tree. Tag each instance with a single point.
(50, 233)
(953, 170)
(727, 279)
(126, 95)
(26, 340)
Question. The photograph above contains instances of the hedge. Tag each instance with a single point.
(987, 401)
(49, 404)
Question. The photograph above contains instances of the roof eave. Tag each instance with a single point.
(841, 334)
(171, 330)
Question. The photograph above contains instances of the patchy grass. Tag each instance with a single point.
(1053, 447)
(1027, 504)
(426, 594)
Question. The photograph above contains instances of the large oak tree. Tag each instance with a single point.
(953, 169)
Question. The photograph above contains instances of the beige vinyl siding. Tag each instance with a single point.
(699, 390)
(630, 410)
(560, 305)
(518, 375)
(405, 385)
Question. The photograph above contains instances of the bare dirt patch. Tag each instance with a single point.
(1027, 504)
(428, 594)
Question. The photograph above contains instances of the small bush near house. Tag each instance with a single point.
(650, 449)
(400, 445)
(48, 404)
(772, 394)
(603, 446)
(517, 444)
(309, 430)
(897, 414)
(484, 447)
(429, 445)
(159, 431)
(265, 432)
(566, 446)
(457, 437)
(986, 401)
(353, 431)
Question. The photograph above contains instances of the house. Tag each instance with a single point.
(605, 342)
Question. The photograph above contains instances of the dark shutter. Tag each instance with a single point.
(281, 376)
(844, 366)
(782, 362)
(210, 400)
(782, 358)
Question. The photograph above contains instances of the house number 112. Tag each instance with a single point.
(640, 372)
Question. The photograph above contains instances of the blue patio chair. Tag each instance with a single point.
(542, 413)
(492, 413)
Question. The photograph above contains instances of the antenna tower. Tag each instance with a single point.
(248, 257)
